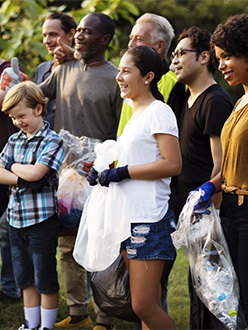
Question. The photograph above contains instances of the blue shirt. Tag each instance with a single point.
(26, 206)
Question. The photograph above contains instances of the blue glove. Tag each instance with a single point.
(35, 185)
(9, 164)
(113, 175)
(204, 202)
(92, 176)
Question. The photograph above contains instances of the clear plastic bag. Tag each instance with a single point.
(73, 188)
(212, 272)
(105, 219)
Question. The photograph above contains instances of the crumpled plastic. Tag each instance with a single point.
(73, 187)
(105, 219)
(213, 275)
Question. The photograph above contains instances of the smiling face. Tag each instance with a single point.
(141, 35)
(129, 79)
(234, 69)
(27, 119)
(186, 66)
(88, 38)
(51, 30)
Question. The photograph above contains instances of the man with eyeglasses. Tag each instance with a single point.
(206, 108)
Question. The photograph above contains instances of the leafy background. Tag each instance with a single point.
(21, 22)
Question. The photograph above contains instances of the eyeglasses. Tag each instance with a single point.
(180, 52)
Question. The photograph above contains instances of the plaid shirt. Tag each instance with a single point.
(27, 207)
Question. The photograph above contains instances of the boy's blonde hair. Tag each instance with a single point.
(27, 91)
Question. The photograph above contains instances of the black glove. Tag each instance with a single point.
(92, 176)
(9, 164)
(35, 185)
(113, 175)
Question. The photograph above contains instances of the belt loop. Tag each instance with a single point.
(240, 199)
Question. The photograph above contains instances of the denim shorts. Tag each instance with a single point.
(151, 240)
(33, 251)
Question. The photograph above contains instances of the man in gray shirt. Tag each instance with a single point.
(88, 103)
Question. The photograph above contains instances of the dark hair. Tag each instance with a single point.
(232, 36)
(146, 59)
(67, 22)
(200, 41)
(107, 24)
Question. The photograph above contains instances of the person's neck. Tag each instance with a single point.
(94, 62)
(197, 87)
(142, 103)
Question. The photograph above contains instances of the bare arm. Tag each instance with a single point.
(30, 173)
(217, 181)
(169, 165)
(7, 177)
(216, 151)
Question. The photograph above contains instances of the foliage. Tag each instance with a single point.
(21, 22)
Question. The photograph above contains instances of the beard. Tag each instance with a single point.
(86, 55)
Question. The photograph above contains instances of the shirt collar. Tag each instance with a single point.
(40, 134)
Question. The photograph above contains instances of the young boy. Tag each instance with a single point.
(29, 163)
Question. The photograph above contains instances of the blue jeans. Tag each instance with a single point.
(33, 251)
(156, 245)
(7, 276)
(150, 241)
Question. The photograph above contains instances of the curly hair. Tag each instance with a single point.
(232, 36)
(200, 41)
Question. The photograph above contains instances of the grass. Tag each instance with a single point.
(11, 315)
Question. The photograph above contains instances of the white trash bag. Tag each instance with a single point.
(104, 223)
(212, 272)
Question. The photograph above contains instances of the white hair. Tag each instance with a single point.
(162, 29)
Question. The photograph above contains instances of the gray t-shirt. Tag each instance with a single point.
(88, 103)
(42, 72)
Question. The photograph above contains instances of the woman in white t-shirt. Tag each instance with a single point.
(150, 155)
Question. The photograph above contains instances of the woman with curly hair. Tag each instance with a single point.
(229, 42)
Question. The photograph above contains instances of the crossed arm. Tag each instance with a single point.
(30, 173)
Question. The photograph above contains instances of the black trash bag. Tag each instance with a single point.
(111, 291)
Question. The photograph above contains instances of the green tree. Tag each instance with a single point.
(21, 22)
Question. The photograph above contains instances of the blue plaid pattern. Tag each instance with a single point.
(27, 207)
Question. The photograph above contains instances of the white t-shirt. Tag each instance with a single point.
(148, 199)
